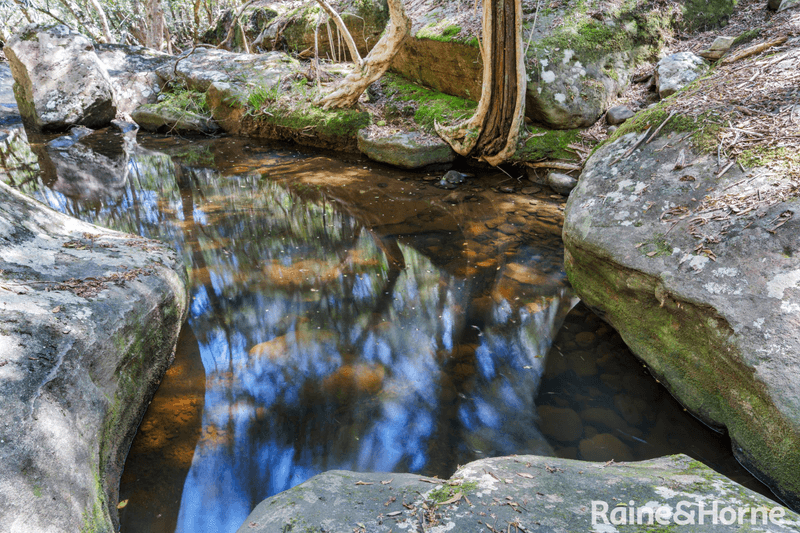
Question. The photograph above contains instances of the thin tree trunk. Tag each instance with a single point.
(372, 67)
(232, 30)
(491, 134)
(343, 31)
(103, 21)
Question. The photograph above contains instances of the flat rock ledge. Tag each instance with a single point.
(89, 319)
(522, 493)
(405, 149)
(699, 273)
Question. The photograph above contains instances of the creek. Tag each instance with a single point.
(345, 315)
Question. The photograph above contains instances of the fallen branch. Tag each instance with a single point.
(755, 49)
(555, 164)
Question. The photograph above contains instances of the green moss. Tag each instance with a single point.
(430, 105)
(746, 37)
(446, 492)
(639, 30)
(764, 155)
(440, 31)
(704, 128)
(540, 143)
(655, 246)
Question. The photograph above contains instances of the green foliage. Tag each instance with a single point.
(699, 15)
(186, 100)
(447, 492)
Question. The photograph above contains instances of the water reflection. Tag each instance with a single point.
(345, 317)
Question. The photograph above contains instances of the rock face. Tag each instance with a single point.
(708, 297)
(535, 493)
(569, 89)
(675, 72)
(89, 321)
(405, 149)
(132, 70)
(60, 82)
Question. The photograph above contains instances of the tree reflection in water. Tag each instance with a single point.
(345, 326)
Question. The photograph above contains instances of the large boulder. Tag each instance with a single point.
(132, 70)
(88, 324)
(60, 82)
(523, 493)
(700, 275)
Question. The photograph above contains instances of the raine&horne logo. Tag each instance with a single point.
(682, 514)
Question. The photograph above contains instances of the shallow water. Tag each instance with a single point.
(349, 316)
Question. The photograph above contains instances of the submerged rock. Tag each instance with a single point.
(532, 492)
(709, 304)
(88, 324)
(60, 82)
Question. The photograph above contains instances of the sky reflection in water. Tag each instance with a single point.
(345, 317)
(392, 334)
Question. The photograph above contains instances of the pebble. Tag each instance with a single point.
(531, 190)
(560, 423)
(604, 447)
(507, 189)
(585, 339)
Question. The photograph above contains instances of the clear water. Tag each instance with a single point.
(349, 316)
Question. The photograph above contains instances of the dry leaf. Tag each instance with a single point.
(525, 474)
(364, 483)
(394, 513)
(122, 504)
(386, 482)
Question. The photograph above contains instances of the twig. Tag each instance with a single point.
(632, 149)
(724, 170)
(658, 129)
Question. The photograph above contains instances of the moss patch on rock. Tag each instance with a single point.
(425, 105)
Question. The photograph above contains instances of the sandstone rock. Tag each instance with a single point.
(90, 319)
(618, 114)
(569, 89)
(718, 48)
(200, 68)
(676, 71)
(562, 424)
(405, 149)
(784, 4)
(163, 117)
(60, 82)
(132, 70)
(551, 494)
(561, 183)
(721, 335)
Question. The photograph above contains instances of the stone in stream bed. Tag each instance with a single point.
(539, 493)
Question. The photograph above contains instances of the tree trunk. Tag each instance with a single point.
(372, 67)
(101, 14)
(491, 134)
(154, 31)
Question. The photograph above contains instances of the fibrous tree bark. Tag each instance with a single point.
(491, 134)
(371, 68)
